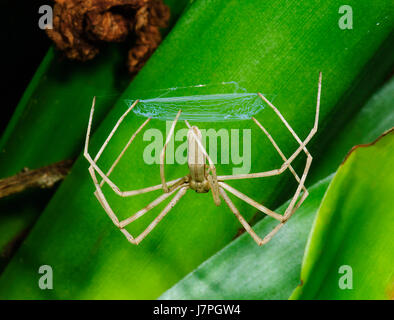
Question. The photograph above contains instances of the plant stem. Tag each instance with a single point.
(43, 178)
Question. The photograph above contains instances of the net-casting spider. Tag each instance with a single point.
(202, 176)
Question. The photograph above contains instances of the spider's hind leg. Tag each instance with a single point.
(241, 219)
(156, 221)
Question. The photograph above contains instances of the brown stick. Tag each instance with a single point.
(42, 178)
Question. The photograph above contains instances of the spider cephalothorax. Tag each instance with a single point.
(202, 177)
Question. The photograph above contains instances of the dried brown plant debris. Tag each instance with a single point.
(43, 178)
(80, 26)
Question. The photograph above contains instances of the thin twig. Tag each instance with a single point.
(43, 178)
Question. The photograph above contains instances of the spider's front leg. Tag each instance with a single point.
(105, 177)
(301, 148)
(177, 184)
(293, 205)
(163, 153)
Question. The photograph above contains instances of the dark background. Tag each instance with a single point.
(23, 47)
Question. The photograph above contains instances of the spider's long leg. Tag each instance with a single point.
(104, 203)
(101, 198)
(305, 191)
(292, 205)
(124, 150)
(302, 147)
(250, 201)
(86, 151)
(246, 225)
(163, 152)
(104, 177)
(121, 224)
(150, 206)
(279, 151)
(269, 236)
(241, 219)
(283, 219)
(155, 222)
(291, 208)
(315, 125)
(173, 184)
(214, 181)
(120, 120)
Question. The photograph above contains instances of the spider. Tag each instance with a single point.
(202, 176)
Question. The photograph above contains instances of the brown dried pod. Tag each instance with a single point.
(79, 26)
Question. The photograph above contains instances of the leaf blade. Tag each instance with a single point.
(202, 283)
(331, 246)
(95, 261)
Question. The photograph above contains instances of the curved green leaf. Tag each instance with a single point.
(273, 273)
(243, 270)
(350, 252)
(49, 125)
(277, 47)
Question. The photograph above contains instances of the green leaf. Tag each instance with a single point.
(273, 272)
(350, 251)
(243, 270)
(49, 124)
(277, 47)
